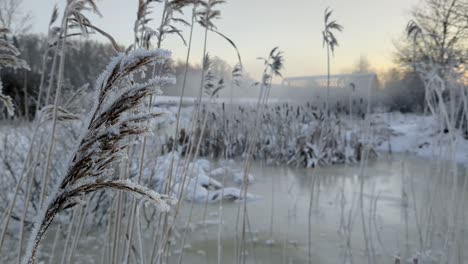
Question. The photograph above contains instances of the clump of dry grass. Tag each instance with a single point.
(118, 114)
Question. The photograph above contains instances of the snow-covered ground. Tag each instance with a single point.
(417, 134)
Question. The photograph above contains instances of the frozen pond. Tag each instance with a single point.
(395, 192)
(278, 223)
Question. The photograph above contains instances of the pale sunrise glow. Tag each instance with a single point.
(370, 27)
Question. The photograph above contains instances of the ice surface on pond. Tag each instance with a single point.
(278, 223)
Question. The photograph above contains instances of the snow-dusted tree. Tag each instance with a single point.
(9, 59)
(13, 17)
(436, 44)
(445, 87)
(6, 101)
(444, 24)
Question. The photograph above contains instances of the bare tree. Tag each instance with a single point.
(444, 24)
(13, 17)
(362, 65)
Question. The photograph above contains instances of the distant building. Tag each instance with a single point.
(360, 87)
(345, 89)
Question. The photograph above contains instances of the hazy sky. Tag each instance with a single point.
(370, 27)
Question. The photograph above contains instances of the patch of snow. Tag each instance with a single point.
(417, 134)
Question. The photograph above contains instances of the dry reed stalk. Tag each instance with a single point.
(54, 244)
(273, 65)
(331, 42)
(84, 214)
(108, 241)
(166, 27)
(184, 84)
(27, 198)
(120, 207)
(176, 133)
(73, 17)
(45, 180)
(196, 182)
(139, 236)
(211, 88)
(7, 216)
(206, 17)
(52, 74)
(69, 234)
(50, 36)
(44, 116)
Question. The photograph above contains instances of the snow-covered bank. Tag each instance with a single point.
(417, 134)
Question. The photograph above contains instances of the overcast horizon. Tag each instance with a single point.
(294, 27)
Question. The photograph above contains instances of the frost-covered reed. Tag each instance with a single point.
(117, 115)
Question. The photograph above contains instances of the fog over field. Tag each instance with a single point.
(212, 131)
